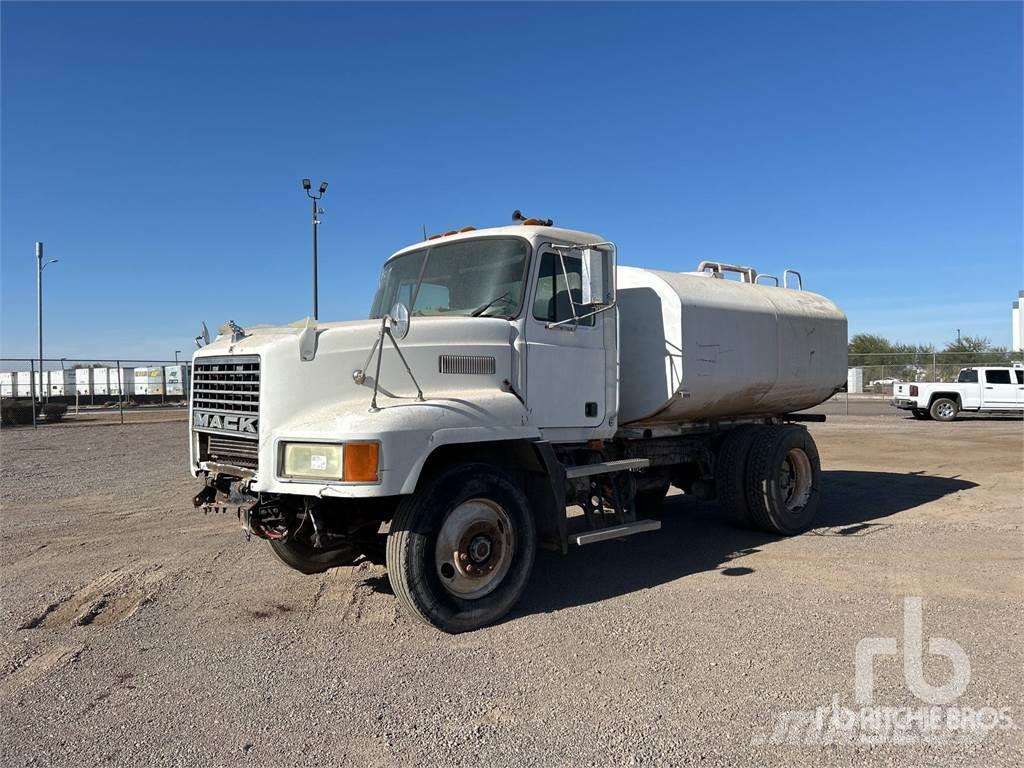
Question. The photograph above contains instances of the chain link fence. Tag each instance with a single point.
(112, 390)
(120, 390)
(875, 373)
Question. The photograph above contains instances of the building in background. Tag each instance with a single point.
(1018, 322)
(855, 380)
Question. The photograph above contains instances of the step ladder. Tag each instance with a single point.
(623, 528)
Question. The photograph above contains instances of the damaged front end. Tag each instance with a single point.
(258, 513)
(345, 527)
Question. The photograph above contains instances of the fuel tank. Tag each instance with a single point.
(693, 346)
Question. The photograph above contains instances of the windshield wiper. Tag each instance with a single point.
(484, 307)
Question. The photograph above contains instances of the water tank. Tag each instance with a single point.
(693, 346)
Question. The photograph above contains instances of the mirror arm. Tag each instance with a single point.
(360, 376)
(394, 343)
(597, 311)
(380, 352)
(565, 276)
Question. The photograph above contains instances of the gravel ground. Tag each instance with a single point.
(134, 631)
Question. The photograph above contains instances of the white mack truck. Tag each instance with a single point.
(504, 376)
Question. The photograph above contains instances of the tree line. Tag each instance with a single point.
(912, 362)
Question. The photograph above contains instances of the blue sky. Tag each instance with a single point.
(157, 150)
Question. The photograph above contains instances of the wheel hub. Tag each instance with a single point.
(479, 549)
(474, 548)
(795, 479)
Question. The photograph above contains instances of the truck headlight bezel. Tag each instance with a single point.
(355, 461)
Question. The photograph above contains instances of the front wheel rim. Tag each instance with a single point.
(474, 549)
(795, 480)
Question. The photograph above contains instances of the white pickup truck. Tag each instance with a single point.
(987, 389)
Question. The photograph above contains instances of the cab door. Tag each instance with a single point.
(999, 389)
(566, 364)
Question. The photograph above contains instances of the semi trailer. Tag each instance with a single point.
(514, 388)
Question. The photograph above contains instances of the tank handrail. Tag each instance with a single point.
(799, 279)
(770, 277)
(749, 274)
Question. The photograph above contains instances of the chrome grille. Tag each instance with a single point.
(466, 364)
(227, 386)
(235, 451)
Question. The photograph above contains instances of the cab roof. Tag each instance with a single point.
(531, 232)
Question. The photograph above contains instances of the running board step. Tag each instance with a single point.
(604, 467)
(616, 532)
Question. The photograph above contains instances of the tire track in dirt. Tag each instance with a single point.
(357, 595)
(106, 600)
(23, 673)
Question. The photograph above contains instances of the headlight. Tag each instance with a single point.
(349, 462)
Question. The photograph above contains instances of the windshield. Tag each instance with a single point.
(478, 278)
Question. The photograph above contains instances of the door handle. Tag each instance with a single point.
(988, 387)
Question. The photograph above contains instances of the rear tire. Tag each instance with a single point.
(944, 409)
(461, 548)
(783, 475)
(308, 560)
(730, 474)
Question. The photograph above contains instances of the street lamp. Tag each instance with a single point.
(39, 306)
(176, 353)
(308, 186)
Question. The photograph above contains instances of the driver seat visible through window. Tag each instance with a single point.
(552, 303)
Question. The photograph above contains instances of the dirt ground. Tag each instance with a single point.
(135, 631)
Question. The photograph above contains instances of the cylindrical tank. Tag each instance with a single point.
(692, 347)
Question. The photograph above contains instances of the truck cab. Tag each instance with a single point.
(488, 332)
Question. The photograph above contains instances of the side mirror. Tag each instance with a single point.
(398, 321)
(595, 283)
(203, 338)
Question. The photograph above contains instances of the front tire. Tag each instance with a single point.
(944, 409)
(783, 476)
(305, 559)
(461, 548)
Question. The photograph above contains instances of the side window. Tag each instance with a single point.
(552, 304)
(998, 376)
(1020, 376)
(968, 376)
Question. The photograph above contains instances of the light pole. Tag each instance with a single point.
(308, 186)
(39, 307)
(176, 353)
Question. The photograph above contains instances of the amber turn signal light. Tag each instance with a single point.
(360, 462)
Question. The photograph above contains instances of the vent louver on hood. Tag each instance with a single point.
(466, 364)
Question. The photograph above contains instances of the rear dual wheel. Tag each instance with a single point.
(769, 477)
(730, 475)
